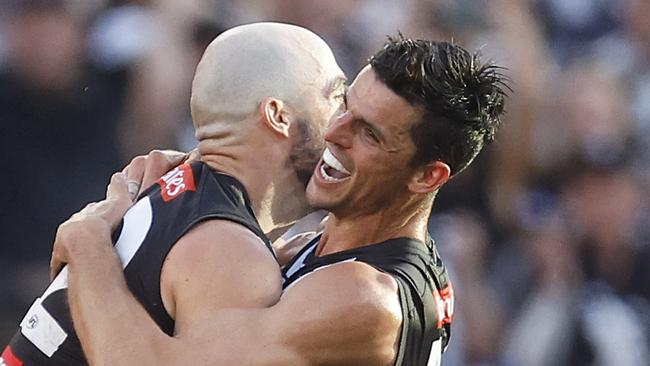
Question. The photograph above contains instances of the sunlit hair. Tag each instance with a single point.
(462, 99)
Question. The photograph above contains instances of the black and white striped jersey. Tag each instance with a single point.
(426, 294)
(184, 197)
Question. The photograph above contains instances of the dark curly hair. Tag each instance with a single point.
(462, 99)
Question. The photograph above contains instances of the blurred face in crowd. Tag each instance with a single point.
(636, 14)
(46, 47)
(368, 147)
(596, 102)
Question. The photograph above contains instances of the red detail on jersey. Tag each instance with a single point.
(177, 181)
(445, 305)
(9, 358)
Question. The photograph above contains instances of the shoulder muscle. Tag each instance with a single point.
(217, 264)
(347, 313)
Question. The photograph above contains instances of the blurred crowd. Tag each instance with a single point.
(546, 236)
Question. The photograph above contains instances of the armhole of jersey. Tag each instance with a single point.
(231, 218)
(237, 220)
(405, 322)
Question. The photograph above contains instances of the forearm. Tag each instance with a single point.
(112, 326)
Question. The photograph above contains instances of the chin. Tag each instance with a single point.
(310, 194)
(316, 202)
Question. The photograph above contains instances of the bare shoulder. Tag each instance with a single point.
(358, 285)
(219, 238)
(218, 264)
(355, 313)
(220, 248)
(355, 277)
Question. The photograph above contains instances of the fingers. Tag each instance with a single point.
(174, 157)
(58, 259)
(118, 187)
(133, 188)
(158, 163)
(56, 265)
(119, 198)
(193, 156)
(144, 171)
(302, 238)
(156, 166)
(85, 234)
(134, 174)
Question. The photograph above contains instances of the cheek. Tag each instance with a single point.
(388, 176)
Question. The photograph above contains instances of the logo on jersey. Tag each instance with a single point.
(444, 305)
(176, 182)
(32, 322)
(9, 359)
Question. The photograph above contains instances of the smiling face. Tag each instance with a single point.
(365, 167)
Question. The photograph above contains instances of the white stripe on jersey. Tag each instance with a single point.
(137, 222)
(42, 329)
(38, 326)
(435, 357)
(300, 262)
(2, 362)
(60, 282)
(316, 270)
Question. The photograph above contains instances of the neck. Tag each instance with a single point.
(348, 233)
(270, 182)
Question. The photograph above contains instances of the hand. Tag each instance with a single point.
(301, 233)
(88, 232)
(286, 249)
(143, 171)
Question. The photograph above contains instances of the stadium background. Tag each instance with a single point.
(546, 236)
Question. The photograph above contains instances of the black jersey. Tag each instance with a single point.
(426, 294)
(182, 198)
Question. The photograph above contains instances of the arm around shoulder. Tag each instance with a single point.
(346, 314)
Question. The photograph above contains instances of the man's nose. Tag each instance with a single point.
(339, 131)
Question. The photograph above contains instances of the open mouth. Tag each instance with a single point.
(331, 168)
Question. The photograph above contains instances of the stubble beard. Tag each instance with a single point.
(306, 152)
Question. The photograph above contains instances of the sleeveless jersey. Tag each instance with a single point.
(184, 197)
(425, 292)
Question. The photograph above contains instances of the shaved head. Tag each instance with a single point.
(249, 63)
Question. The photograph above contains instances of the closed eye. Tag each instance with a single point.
(368, 132)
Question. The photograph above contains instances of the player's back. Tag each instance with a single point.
(184, 197)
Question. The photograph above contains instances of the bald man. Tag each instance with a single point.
(196, 242)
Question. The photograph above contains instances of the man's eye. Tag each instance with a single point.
(370, 134)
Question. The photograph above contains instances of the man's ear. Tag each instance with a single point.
(275, 116)
(430, 177)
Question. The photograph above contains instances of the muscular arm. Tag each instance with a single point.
(219, 264)
(202, 274)
(347, 314)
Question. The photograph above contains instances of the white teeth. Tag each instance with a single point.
(331, 160)
(326, 176)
